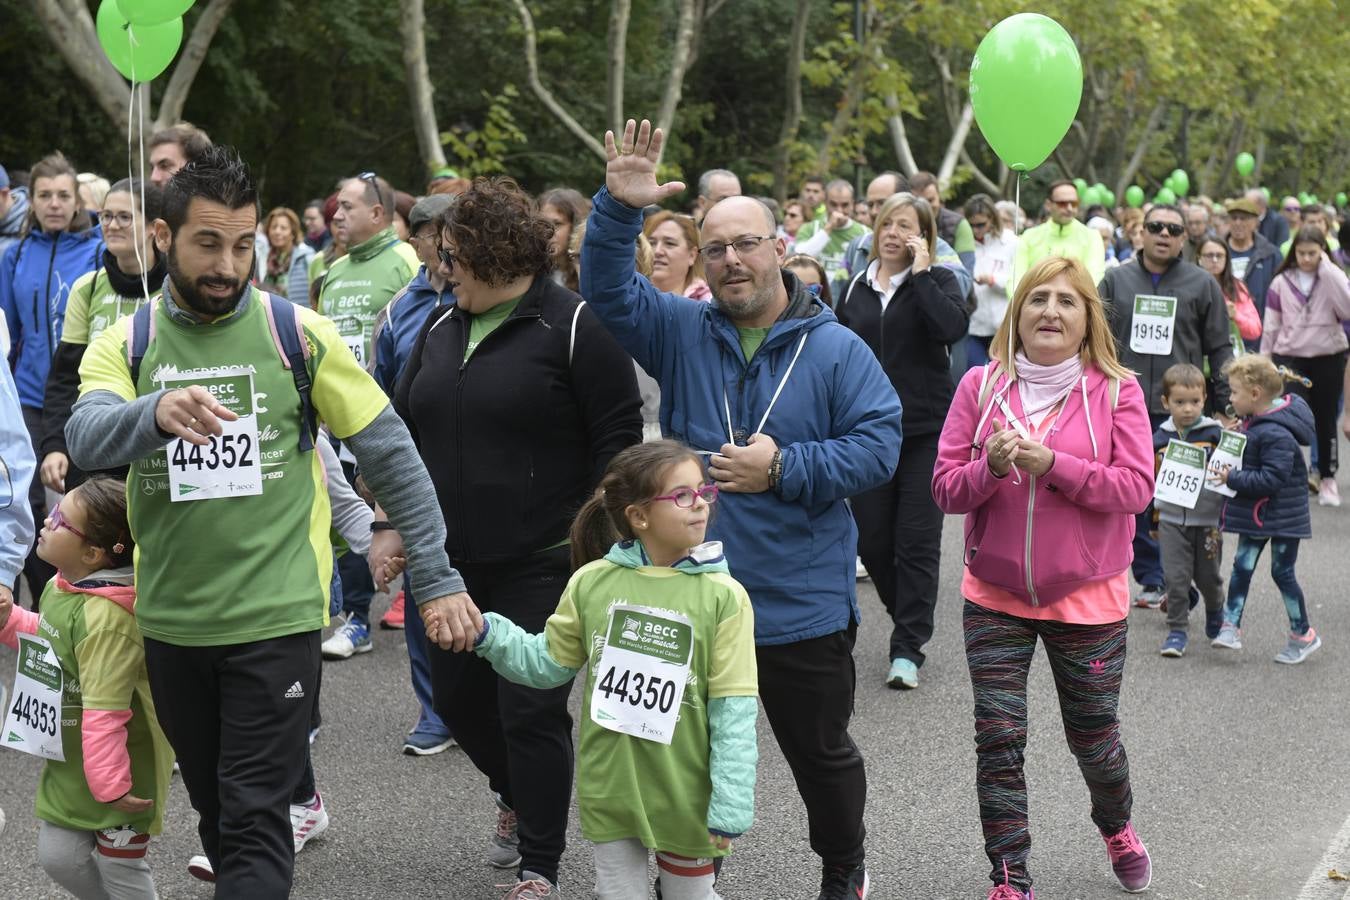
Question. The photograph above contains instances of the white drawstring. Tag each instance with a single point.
(1087, 412)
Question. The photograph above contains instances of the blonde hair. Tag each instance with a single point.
(924, 212)
(1099, 346)
(1255, 370)
(687, 228)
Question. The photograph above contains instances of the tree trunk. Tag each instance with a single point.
(190, 62)
(904, 155)
(544, 94)
(70, 28)
(685, 28)
(944, 172)
(792, 114)
(1137, 158)
(619, 13)
(411, 26)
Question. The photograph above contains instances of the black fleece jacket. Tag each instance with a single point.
(516, 438)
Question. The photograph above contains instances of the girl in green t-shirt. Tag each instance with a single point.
(100, 801)
(667, 752)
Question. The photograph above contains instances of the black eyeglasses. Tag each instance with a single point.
(742, 246)
(447, 258)
(1171, 228)
(373, 180)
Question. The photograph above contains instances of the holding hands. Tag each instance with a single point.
(452, 622)
(630, 174)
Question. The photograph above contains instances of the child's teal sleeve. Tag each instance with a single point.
(732, 760)
(521, 657)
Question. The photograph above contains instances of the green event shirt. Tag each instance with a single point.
(484, 323)
(92, 306)
(103, 667)
(628, 787)
(362, 283)
(832, 255)
(751, 339)
(1074, 240)
(248, 568)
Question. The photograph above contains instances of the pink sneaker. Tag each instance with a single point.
(1129, 859)
(1006, 891)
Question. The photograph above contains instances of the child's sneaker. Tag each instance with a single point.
(1213, 622)
(1229, 637)
(308, 821)
(1328, 494)
(1300, 646)
(1129, 859)
(843, 883)
(1006, 891)
(1150, 596)
(1174, 645)
(199, 867)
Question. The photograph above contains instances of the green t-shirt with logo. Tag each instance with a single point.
(751, 339)
(103, 668)
(234, 569)
(633, 788)
(92, 306)
(362, 283)
(484, 323)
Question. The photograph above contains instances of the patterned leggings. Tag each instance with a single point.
(1088, 662)
(1283, 558)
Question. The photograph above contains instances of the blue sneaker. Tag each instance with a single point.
(426, 743)
(352, 636)
(1174, 644)
(904, 675)
(1213, 622)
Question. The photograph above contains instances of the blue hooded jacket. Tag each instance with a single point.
(35, 278)
(397, 325)
(836, 419)
(1272, 485)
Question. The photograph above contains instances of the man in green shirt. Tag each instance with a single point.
(357, 287)
(827, 239)
(1063, 235)
(231, 520)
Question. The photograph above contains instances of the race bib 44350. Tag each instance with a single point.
(229, 464)
(640, 679)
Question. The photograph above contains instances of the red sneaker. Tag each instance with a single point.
(392, 620)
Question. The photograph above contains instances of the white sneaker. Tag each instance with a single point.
(308, 821)
(2, 821)
(352, 636)
(199, 867)
(1328, 494)
(859, 570)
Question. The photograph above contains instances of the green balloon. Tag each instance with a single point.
(1181, 182)
(152, 12)
(1134, 196)
(1304, 198)
(1340, 198)
(1170, 184)
(1265, 192)
(1312, 200)
(1108, 198)
(1165, 195)
(1026, 81)
(1245, 163)
(1081, 186)
(1092, 196)
(139, 52)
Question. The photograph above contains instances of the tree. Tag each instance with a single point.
(412, 29)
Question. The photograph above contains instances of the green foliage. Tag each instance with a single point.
(482, 151)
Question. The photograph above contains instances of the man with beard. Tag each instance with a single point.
(795, 414)
(231, 516)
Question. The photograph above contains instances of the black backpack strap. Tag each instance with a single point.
(140, 340)
(294, 351)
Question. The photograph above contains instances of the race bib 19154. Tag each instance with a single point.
(1151, 329)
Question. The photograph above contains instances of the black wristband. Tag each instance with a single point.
(378, 525)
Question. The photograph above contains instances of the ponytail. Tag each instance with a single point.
(593, 533)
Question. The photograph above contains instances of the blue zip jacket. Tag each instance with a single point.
(35, 279)
(17, 467)
(397, 325)
(1272, 485)
(836, 420)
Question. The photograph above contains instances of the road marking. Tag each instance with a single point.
(1319, 886)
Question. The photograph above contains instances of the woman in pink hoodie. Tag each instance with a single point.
(1048, 453)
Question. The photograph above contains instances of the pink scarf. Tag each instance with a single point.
(1043, 387)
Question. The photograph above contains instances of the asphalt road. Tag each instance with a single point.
(1238, 764)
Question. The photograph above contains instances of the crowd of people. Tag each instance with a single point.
(526, 411)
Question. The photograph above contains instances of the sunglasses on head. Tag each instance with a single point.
(1171, 228)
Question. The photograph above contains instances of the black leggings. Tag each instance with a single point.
(1326, 374)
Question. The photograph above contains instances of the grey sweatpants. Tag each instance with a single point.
(75, 861)
(621, 873)
(1190, 553)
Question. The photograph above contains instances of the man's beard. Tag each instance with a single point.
(748, 308)
(192, 296)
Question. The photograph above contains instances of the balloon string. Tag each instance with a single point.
(137, 236)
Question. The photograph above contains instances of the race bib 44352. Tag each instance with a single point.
(228, 465)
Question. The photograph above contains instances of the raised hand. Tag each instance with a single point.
(630, 174)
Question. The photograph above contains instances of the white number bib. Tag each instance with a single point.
(33, 720)
(1240, 266)
(1153, 323)
(640, 679)
(1182, 475)
(1228, 455)
(353, 332)
(230, 465)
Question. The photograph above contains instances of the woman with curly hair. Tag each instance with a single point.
(517, 399)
